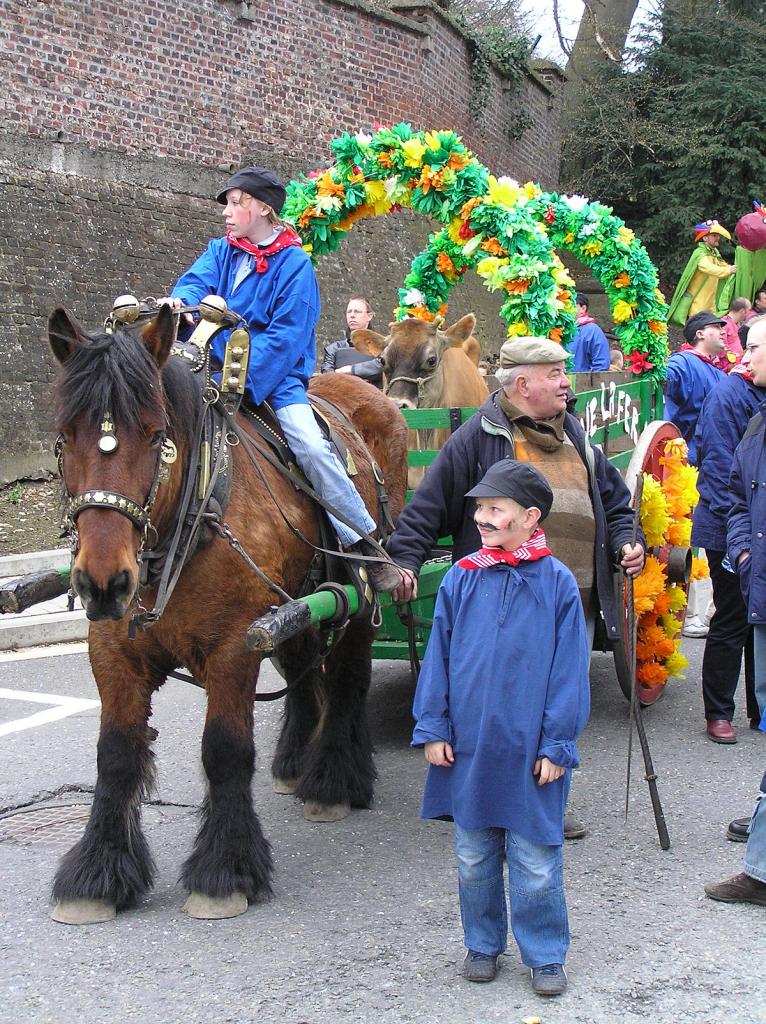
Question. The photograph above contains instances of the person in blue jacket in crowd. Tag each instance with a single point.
(747, 553)
(726, 412)
(260, 268)
(502, 696)
(589, 347)
(692, 373)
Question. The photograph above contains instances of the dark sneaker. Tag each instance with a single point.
(573, 827)
(739, 889)
(550, 980)
(479, 966)
(737, 830)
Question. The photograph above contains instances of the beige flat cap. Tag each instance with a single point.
(529, 351)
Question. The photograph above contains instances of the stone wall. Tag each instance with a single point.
(117, 122)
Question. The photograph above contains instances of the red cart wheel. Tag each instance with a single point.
(646, 459)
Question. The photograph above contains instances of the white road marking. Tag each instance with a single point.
(62, 708)
(46, 651)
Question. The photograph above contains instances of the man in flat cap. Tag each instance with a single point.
(590, 525)
(707, 282)
(260, 269)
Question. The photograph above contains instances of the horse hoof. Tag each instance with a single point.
(285, 787)
(313, 811)
(84, 912)
(215, 908)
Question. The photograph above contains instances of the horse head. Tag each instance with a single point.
(112, 419)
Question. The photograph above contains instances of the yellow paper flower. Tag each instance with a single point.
(413, 150)
(569, 237)
(490, 264)
(502, 191)
(531, 190)
(592, 247)
(433, 141)
(622, 311)
(677, 598)
(626, 235)
(680, 533)
(675, 665)
(654, 512)
(454, 230)
(700, 568)
(377, 197)
(327, 203)
(518, 329)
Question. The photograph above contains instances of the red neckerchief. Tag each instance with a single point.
(535, 548)
(586, 318)
(284, 239)
(739, 369)
(686, 347)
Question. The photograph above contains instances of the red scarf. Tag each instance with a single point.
(535, 548)
(686, 347)
(284, 239)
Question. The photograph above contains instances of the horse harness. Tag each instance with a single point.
(207, 483)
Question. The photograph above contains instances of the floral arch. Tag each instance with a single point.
(507, 233)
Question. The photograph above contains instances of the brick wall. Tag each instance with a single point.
(117, 121)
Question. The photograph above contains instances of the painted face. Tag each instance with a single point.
(546, 390)
(712, 339)
(244, 214)
(357, 315)
(712, 239)
(503, 523)
(754, 358)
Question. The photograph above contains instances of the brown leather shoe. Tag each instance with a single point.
(721, 731)
(741, 888)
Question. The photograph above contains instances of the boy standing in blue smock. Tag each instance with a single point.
(502, 696)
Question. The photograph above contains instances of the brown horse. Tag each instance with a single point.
(324, 753)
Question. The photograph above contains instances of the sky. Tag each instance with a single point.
(570, 12)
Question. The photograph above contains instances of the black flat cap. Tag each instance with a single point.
(259, 182)
(698, 322)
(509, 478)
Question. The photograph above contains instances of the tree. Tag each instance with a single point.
(678, 138)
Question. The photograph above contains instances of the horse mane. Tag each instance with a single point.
(115, 373)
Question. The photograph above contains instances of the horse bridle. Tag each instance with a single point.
(139, 515)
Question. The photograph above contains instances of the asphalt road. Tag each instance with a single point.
(364, 925)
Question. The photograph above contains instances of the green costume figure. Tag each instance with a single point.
(707, 283)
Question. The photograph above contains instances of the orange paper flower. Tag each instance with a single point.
(493, 247)
(556, 334)
(445, 265)
(518, 287)
(622, 280)
(384, 159)
(429, 178)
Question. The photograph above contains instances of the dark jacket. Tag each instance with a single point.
(726, 412)
(747, 518)
(370, 370)
(439, 507)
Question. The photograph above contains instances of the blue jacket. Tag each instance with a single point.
(689, 379)
(281, 305)
(439, 507)
(726, 412)
(590, 349)
(747, 517)
(505, 682)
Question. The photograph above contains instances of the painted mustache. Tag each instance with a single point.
(487, 526)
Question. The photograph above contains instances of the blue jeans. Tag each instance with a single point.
(755, 851)
(536, 889)
(323, 470)
(759, 650)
